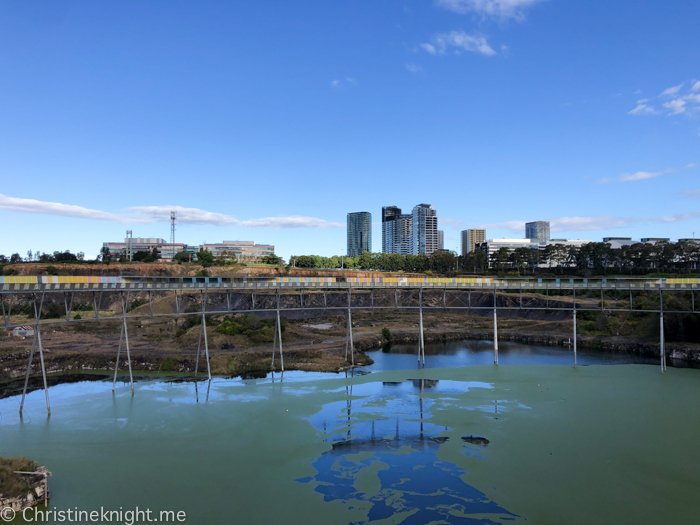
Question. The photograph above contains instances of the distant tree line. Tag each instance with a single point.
(591, 258)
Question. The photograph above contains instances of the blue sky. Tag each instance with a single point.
(271, 120)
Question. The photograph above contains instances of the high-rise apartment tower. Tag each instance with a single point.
(396, 230)
(425, 233)
(359, 233)
(471, 238)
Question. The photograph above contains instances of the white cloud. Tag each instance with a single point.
(676, 106)
(153, 214)
(570, 224)
(461, 41)
(413, 68)
(429, 48)
(455, 223)
(674, 101)
(494, 8)
(643, 175)
(692, 194)
(642, 109)
(351, 80)
(671, 91)
(61, 210)
(335, 83)
(640, 175)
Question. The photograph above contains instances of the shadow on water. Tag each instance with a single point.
(384, 458)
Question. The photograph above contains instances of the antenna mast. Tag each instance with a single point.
(173, 218)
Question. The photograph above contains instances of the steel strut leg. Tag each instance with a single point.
(26, 378)
(495, 329)
(37, 316)
(126, 339)
(274, 345)
(119, 351)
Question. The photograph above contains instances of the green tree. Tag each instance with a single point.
(205, 258)
(272, 259)
(143, 256)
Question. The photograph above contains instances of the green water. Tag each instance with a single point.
(597, 444)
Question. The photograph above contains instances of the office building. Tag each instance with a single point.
(359, 233)
(654, 240)
(471, 239)
(441, 240)
(425, 233)
(537, 231)
(396, 230)
(618, 242)
(576, 243)
(239, 250)
(491, 246)
(143, 244)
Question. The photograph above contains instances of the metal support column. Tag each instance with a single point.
(575, 356)
(421, 341)
(126, 339)
(65, 306)
(575, 348)
(279, 337)
(279, 330)
(349, 340)
(274, 345)
(37, 317)
(495, 329)
(206, 345)
(661, 326)
(26, 378)
(199, 349)
(119, 351)
(204, 329)
(150, 301)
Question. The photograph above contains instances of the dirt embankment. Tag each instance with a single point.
(186, 270)
(314, 342)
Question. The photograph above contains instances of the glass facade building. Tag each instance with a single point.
(425, 237)
(537, 231)
(359, 233)
(396, 230)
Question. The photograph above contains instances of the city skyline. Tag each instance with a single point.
(496, 116)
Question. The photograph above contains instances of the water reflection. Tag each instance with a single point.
(384, 458)
(463, 353)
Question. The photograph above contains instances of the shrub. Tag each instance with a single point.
(386, 334)
(11, 484)
(52, 270)
(168, 364)
(136, 303)
(258, 331)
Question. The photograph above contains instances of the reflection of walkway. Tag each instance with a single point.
(411, 484)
